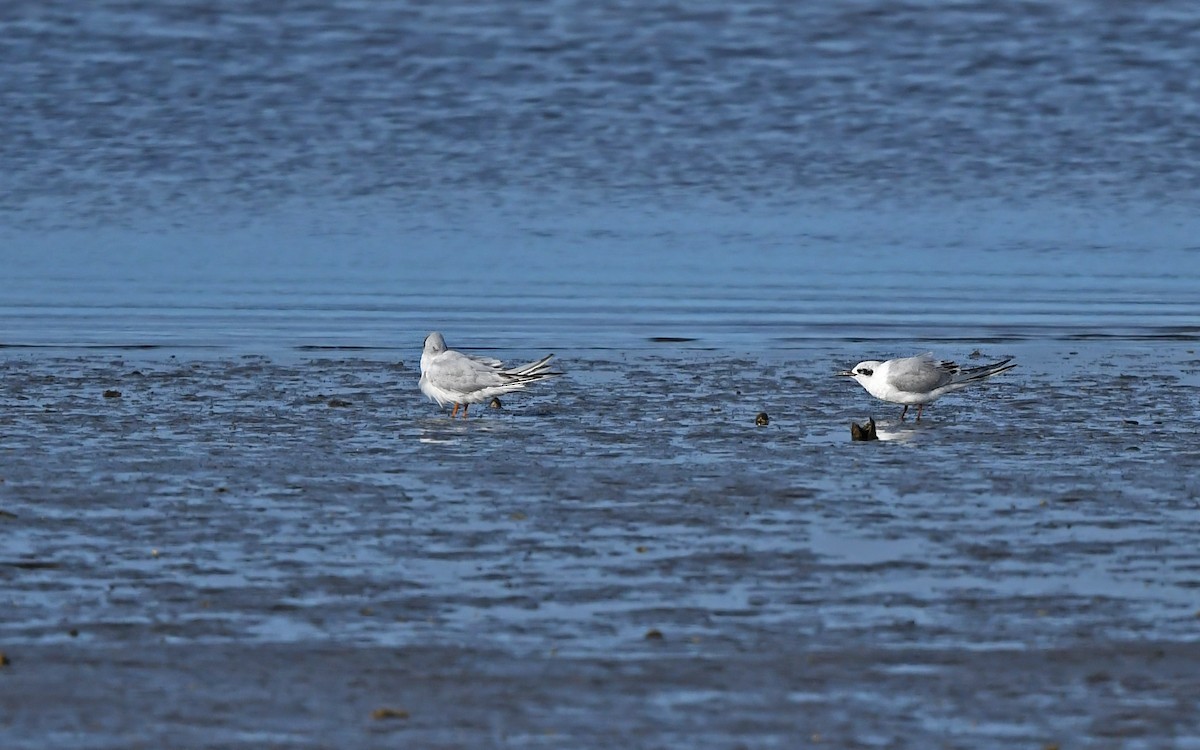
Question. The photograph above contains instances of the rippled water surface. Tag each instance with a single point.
(229, 518)
(182, 106)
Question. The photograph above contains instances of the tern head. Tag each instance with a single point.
(434, 343)
(863, 371)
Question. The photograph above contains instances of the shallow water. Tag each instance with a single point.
(126, 111)
(245, 221)
(724, 279)
(221, 503)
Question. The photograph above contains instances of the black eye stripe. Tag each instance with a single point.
(865, 371)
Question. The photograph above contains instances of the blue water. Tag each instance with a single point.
(748, 174)
(729, 280)
(123, 110)
(226, 228)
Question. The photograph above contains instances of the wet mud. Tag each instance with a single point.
(257, 552)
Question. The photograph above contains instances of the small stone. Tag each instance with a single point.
(110, 393)
(380, 714)
(495, 404)
(762, 420)
(654, 634)
(338, 403)
(4, 660)
(73, 632)
(864, 432)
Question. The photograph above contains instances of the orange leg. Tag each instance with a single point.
(919, 408)
(454, 413)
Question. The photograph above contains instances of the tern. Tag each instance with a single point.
(919, 380)
(450, 377)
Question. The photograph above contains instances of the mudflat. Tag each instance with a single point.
(292, 552)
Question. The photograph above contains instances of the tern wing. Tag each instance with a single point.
(920, 374)
(495, 364)
(459, 373)
(983, 372)
(534, 370)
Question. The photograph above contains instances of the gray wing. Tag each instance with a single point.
(920, 374)
(495, 364)
(461, 373)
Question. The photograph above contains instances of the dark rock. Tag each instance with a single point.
(380, 714)
(762, 420)
(864, 432)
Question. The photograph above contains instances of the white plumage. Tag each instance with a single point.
(450, 377)
(919, 380)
